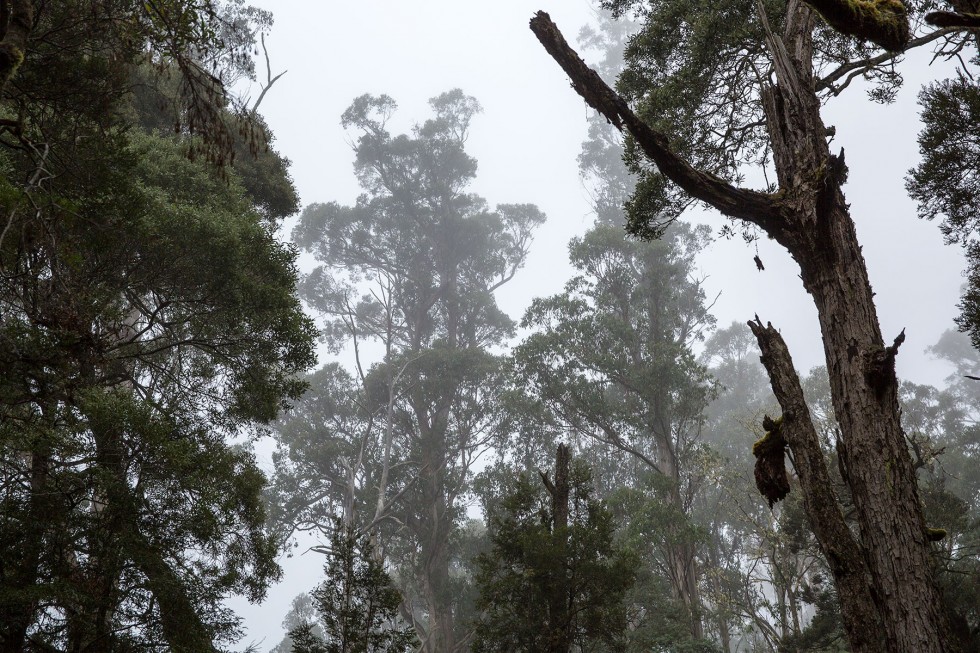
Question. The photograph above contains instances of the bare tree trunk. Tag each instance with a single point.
(889, 599)
(724, 634)
(682, 559)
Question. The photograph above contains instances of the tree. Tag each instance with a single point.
(147, 318)
(300, 612)
(414, 264)
(612, 360)
(357, 606)
(690, 145)
(554, 580)
(946, 182)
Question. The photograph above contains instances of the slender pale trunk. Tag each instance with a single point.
(681, 554)
(435, 534)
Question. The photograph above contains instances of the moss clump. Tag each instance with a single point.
(11, 57)
(883, 22)
(770, 461)
(936, 534)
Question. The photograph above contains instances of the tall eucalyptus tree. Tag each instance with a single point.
(414, 264)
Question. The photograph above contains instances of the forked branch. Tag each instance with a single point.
(759, 208)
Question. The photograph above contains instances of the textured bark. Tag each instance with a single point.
(844, 556)
(810, 218)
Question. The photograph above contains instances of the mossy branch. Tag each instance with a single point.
(883, 22)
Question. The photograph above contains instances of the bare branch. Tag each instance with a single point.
(759, 208)
(862, 66)
(270, 80)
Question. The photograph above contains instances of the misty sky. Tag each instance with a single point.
(526, 142)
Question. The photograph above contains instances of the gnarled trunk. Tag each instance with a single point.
(820, 235)
(890, 602)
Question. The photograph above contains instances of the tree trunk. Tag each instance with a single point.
(436, 529)
(17, 611)
(889, 600)
(820, 235)
(559, 617)
(18, 19)
(680, 554)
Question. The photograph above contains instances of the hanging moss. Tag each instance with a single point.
(11, 57)
(770, 462)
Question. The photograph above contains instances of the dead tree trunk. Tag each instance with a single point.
(883, 574)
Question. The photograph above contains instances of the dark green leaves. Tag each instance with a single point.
(947, 181)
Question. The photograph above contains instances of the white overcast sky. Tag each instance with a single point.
(526, 142)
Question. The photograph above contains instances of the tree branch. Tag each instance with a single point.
(953, 20)
(863, 65)
(883, 22)
(759, 208)
(270, 80)
(837, 543)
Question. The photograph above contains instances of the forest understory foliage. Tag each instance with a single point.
(624, 475)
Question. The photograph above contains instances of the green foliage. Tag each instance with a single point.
(695, 71)
(612, 354)
(418, 230)
(530, 560)
(946, 182)
(357, 607)
(149, 319)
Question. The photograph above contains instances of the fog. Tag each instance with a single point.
(527, 140)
